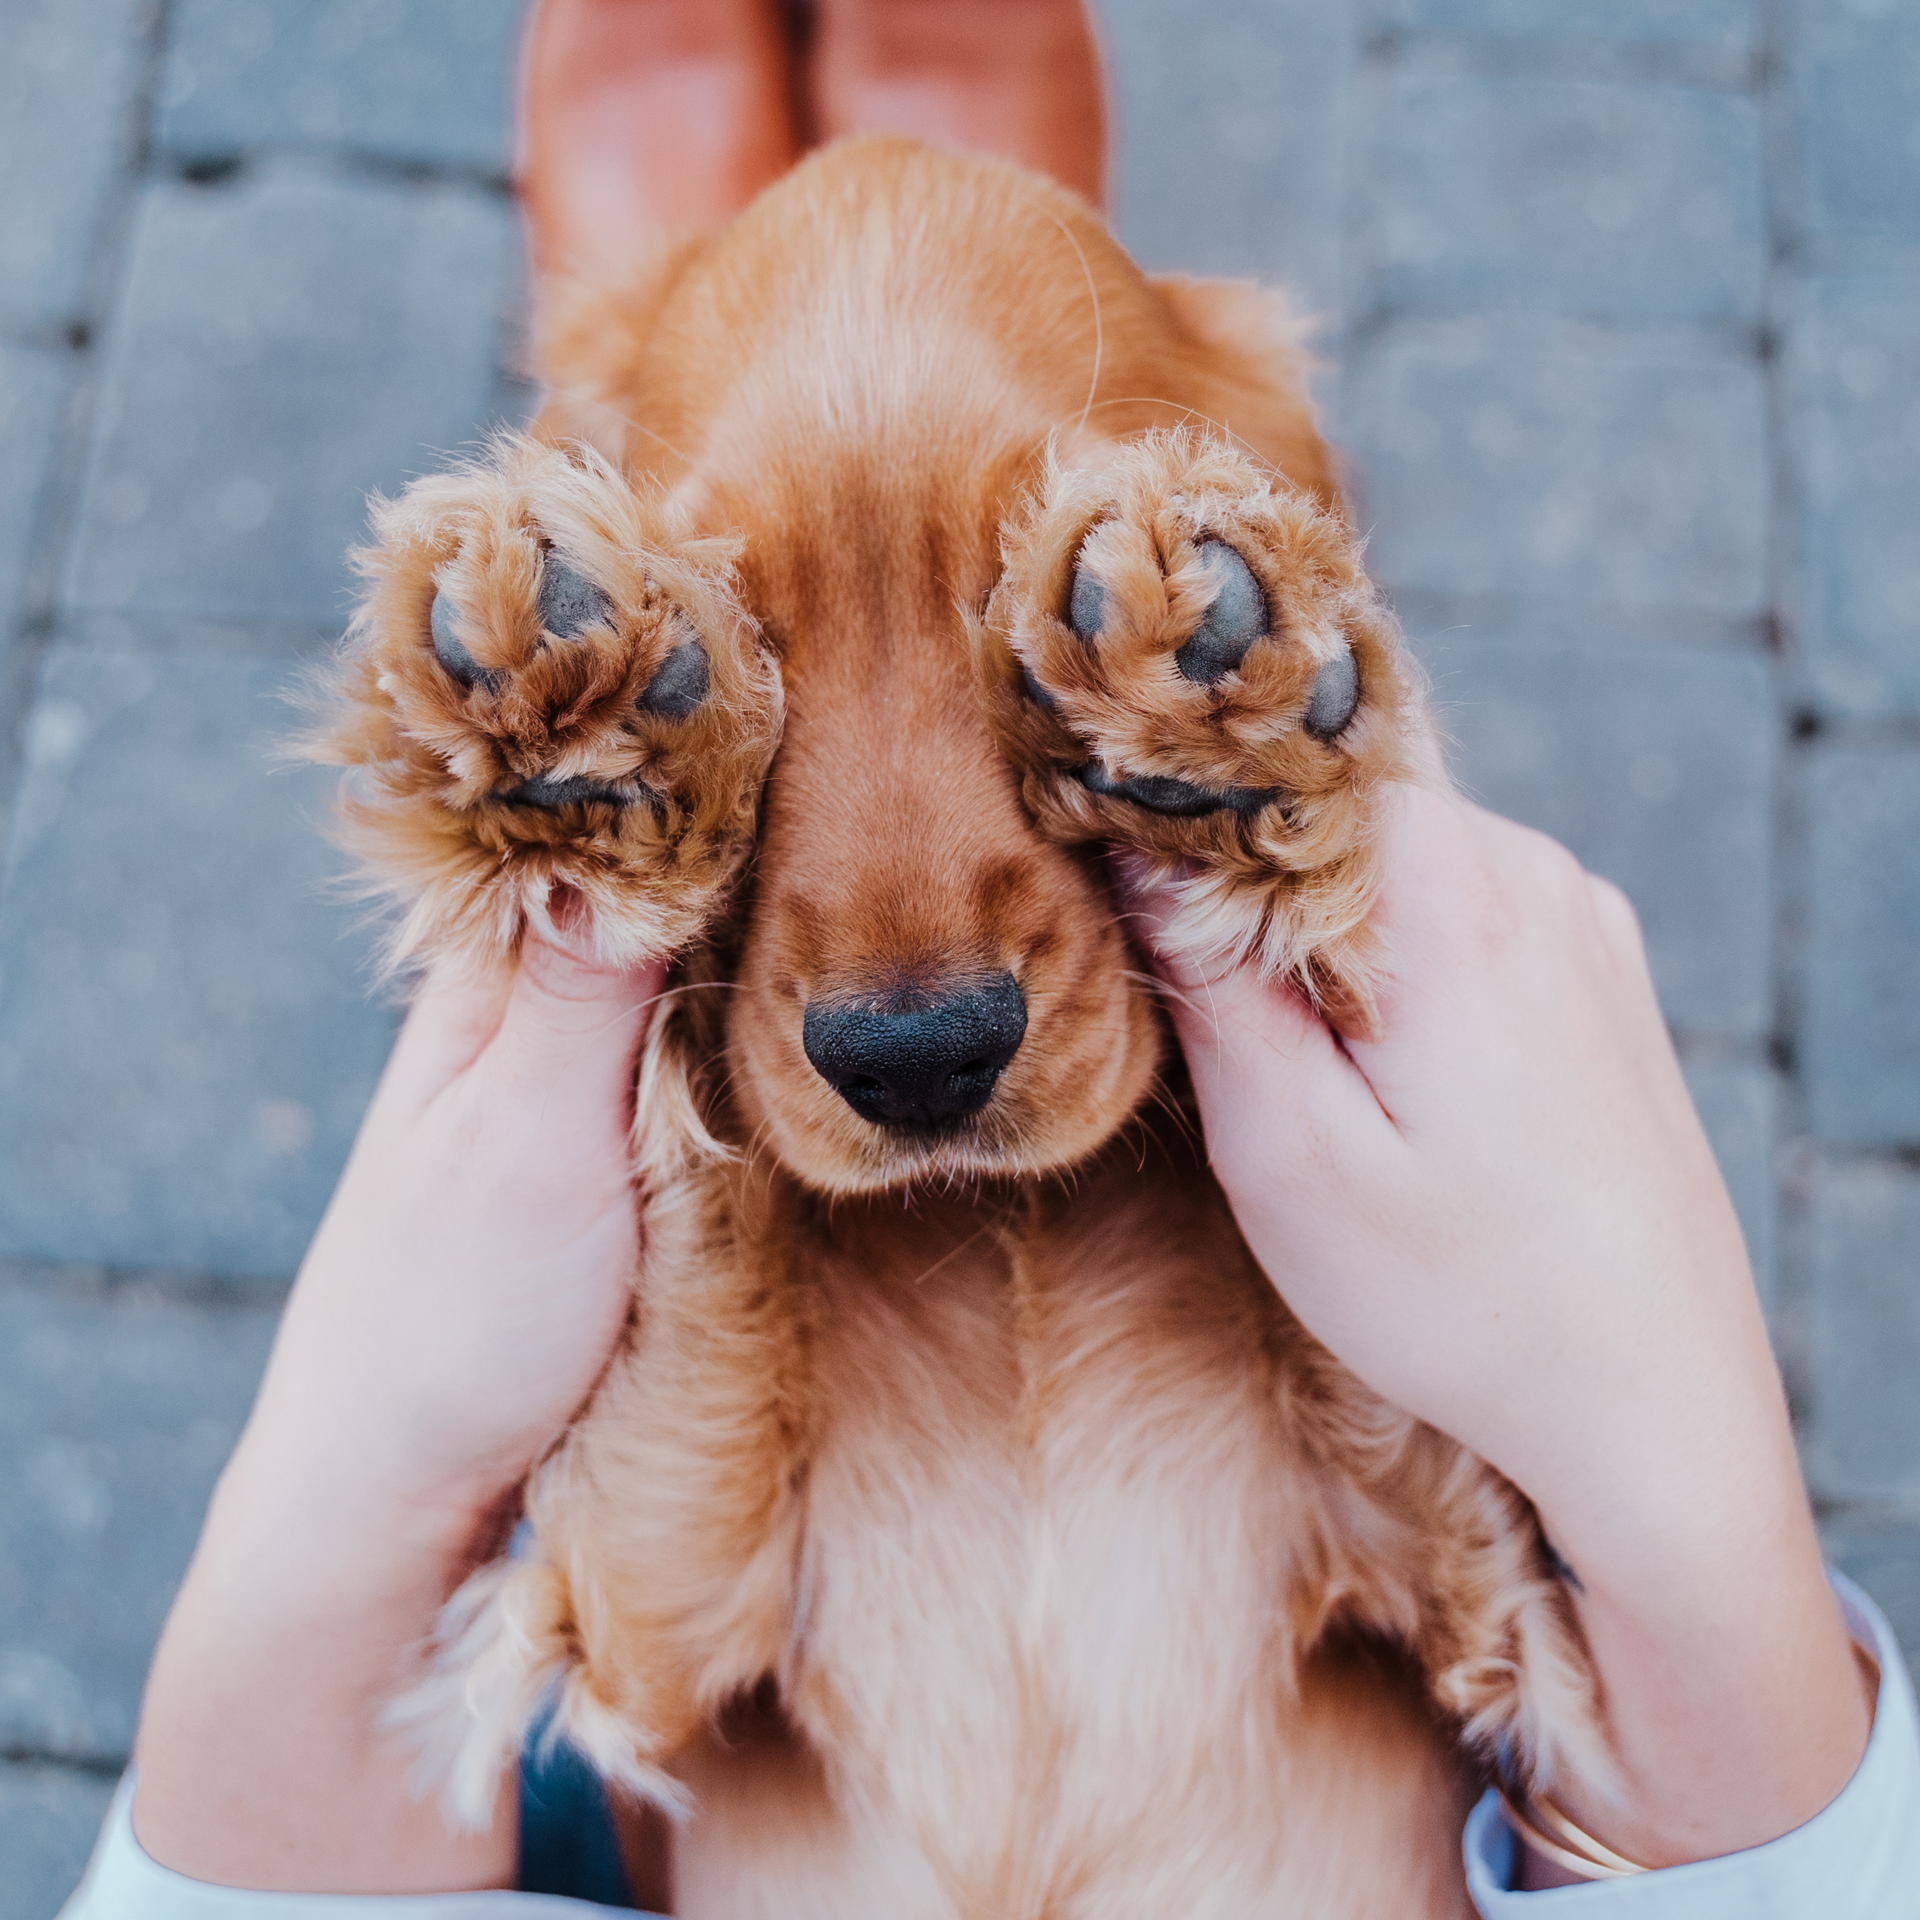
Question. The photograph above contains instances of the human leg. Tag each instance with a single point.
(647, 119)
(1018, 78)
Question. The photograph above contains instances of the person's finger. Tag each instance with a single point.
(572, 1024)
(1465, 899)
(456, 1011)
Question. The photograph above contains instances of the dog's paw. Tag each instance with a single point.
(1185, 657)
(561, 713)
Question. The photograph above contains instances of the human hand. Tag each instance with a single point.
(1501, 1212)
(460, 1299)
(476, 1262)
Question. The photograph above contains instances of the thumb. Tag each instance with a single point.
(572, 1023)
(1271, 1079)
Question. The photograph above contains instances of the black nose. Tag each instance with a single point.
(916, 1062)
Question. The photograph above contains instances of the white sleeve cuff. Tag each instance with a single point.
(1858, 1859)
(123, 1882)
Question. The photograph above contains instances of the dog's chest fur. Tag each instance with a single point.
(1060, 1513)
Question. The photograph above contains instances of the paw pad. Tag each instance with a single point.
(569, 602)
(567, 605)
(1235, 618)
(452, 655)
(1181, 799)
(574, 790)
(1335, 696)
(680, 686)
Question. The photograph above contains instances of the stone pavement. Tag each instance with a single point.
(1621, 298)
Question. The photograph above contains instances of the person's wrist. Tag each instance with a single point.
(1687, 1475)
(1731, 1695)
(311, 1604)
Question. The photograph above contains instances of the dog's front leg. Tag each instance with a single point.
(1185, 656)
(559, 717)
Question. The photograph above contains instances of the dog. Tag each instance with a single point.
(964, 1526)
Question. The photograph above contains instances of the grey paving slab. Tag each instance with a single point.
(1739, 1107)
(1231, 124)
(1535, 457)
(1594, 199)
(49, 1818)
(1884, 1557)
(287, 343)
(1857, 369)
(1860, 1046)
(117, 1415)
(1857, 95)
(1862, 1427)
(426, 80)
(1714, 23)
(68, 79)
(33, 386)
(1655, 765)
(186, 1041)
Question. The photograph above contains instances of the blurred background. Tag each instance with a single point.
(1620, 301)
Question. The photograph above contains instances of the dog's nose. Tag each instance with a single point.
(918, 1063)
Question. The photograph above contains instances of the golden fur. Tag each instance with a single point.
(964, 1525)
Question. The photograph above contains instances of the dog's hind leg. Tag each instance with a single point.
(1184, 655)
(1408, 1536)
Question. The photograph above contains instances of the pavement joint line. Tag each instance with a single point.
(212, 170)
(1556, 57)
(47, 336)
(57, 513)
(1813, 729)
(1805, 1156)
(1698, 1048)
(1717, 339)
(1894, 1516)
(1433, 616)
(26, 1274)
(297, 642)
(1779, 161)
(89, 1766)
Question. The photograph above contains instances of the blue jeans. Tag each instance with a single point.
(567, 1839)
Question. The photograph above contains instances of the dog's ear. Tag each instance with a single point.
(1254, 366)
(590, 339)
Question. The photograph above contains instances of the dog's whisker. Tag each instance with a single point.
(1186, 415)
(1099, 332)
(1165, 990)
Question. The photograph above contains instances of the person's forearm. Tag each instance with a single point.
(455, 1308)
(263, 1761)
(1673, 1494)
